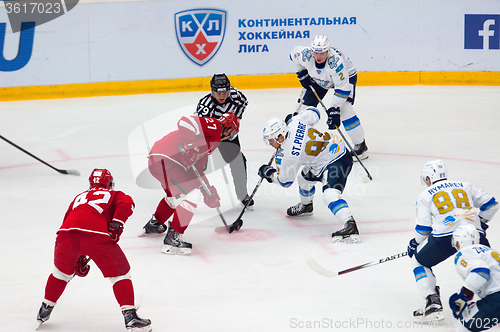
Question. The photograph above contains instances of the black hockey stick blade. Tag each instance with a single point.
(316, 267)
(62, 171)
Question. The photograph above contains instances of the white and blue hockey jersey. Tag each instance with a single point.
(447, 204)
(306, 146)
(479, 266)
(334, 75)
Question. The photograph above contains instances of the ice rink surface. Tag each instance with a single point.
(255, 279)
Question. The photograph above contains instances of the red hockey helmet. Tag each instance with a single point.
(229, 121)
(101, 177)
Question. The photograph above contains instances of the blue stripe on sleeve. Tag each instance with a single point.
(423, 230)
(488, 204)
(483, 272)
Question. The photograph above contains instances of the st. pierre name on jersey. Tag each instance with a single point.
(299, 137)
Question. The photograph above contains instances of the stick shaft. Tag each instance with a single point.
(342, 134)
(62, 171)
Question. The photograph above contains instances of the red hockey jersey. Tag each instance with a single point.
(203, 133)
(93, 210)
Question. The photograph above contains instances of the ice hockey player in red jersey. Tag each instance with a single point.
(171, 160)
(91, 229)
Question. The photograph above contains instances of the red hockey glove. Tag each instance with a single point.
(211, 201)
(115, 229)
(82, 268)
(190, 157)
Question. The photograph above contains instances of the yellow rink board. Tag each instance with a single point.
(241, 82)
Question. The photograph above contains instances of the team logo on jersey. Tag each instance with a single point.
(200, 33)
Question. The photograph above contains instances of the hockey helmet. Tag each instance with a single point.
(220, 83)
(464, 236)
(274, 128)
(320, 44)
(434, 170)
(231, 121)
(101, 177)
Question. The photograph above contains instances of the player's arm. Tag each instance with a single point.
(487, 204)
(342, 87)
(124, 207)
(423, 226)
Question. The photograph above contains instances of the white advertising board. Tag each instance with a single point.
(148, 40)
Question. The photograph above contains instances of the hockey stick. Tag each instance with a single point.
(316, 267)
(234, 226)
(62, 171)
(238, 220)
(341, 134)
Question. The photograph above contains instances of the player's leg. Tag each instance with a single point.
(334, 181)
(306, 182)
(481, 315)
(184, 211)
(352, 124)
(429, 253)
(66, 254)
(231, 153)
(113, 263)
(310, 98)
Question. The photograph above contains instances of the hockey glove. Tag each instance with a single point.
(333, 117)
(305, 79)
(412, 247)
(266, 172)
(289, 117)
(212, 200)
(190, 157)
(82, 268)
(115, 229)
(484, 224)
(458, 301)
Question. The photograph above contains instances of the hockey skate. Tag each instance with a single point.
(360, 150)
(432, 310)
(347, 234)
(134, 323)
(44, 314)
(300, 210)
(174, 244)
(152, 227)
(250, 205)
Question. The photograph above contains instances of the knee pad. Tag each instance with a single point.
(191, 200)
(330, 195)
(62, 276)
(114, 280)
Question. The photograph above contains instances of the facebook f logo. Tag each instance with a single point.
(482, 32)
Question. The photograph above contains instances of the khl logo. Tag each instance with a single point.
(200, 33)
(482, 32)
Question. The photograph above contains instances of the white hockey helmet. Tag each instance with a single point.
(464, 236)
(274, 128)
(434, 170)
(320, 44)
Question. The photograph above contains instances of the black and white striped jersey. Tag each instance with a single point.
(235, 103)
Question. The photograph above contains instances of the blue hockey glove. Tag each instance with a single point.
(484, 224)
(266, 172)
(289, 117)
(458, 301)
(333, 117)
(412, 247)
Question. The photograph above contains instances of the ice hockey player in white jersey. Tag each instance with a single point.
(324, 67)
(325, 159)
(479, 267)
(441, 208)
